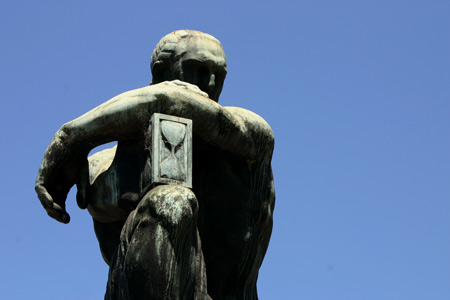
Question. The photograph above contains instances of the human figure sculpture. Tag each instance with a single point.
(169, 241)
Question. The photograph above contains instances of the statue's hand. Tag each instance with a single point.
(187, 86)
(59, 171)
(54, 210)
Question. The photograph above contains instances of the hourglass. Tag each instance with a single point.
(171, 150)
(173, 135)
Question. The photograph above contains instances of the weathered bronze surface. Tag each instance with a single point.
(161, 238)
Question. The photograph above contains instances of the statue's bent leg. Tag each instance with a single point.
(159, 256)
(108, 236)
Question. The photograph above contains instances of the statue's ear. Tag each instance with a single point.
(158, 70)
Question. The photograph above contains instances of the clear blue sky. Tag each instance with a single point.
(357, 93)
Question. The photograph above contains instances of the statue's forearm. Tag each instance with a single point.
(125, 116)
(120, 118)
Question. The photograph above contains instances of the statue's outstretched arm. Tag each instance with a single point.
(126, 116)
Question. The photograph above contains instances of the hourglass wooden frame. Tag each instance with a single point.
(163, 149)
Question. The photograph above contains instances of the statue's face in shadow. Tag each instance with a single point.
(202, 62)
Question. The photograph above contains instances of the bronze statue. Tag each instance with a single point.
(168, 241)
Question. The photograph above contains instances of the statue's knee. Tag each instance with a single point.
(172, 205)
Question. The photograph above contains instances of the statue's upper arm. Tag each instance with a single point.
(256, 127)
(250, 120)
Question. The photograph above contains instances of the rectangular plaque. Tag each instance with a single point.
(171, 150)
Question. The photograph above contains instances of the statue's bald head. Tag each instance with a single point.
(191, 56)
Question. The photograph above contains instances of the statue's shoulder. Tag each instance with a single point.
(139, 92)
(252, 121)
(166, 87)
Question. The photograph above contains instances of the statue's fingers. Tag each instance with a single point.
(53, 209)
(45, 198)
(83, 188)
(58, 213)
(82, 199)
